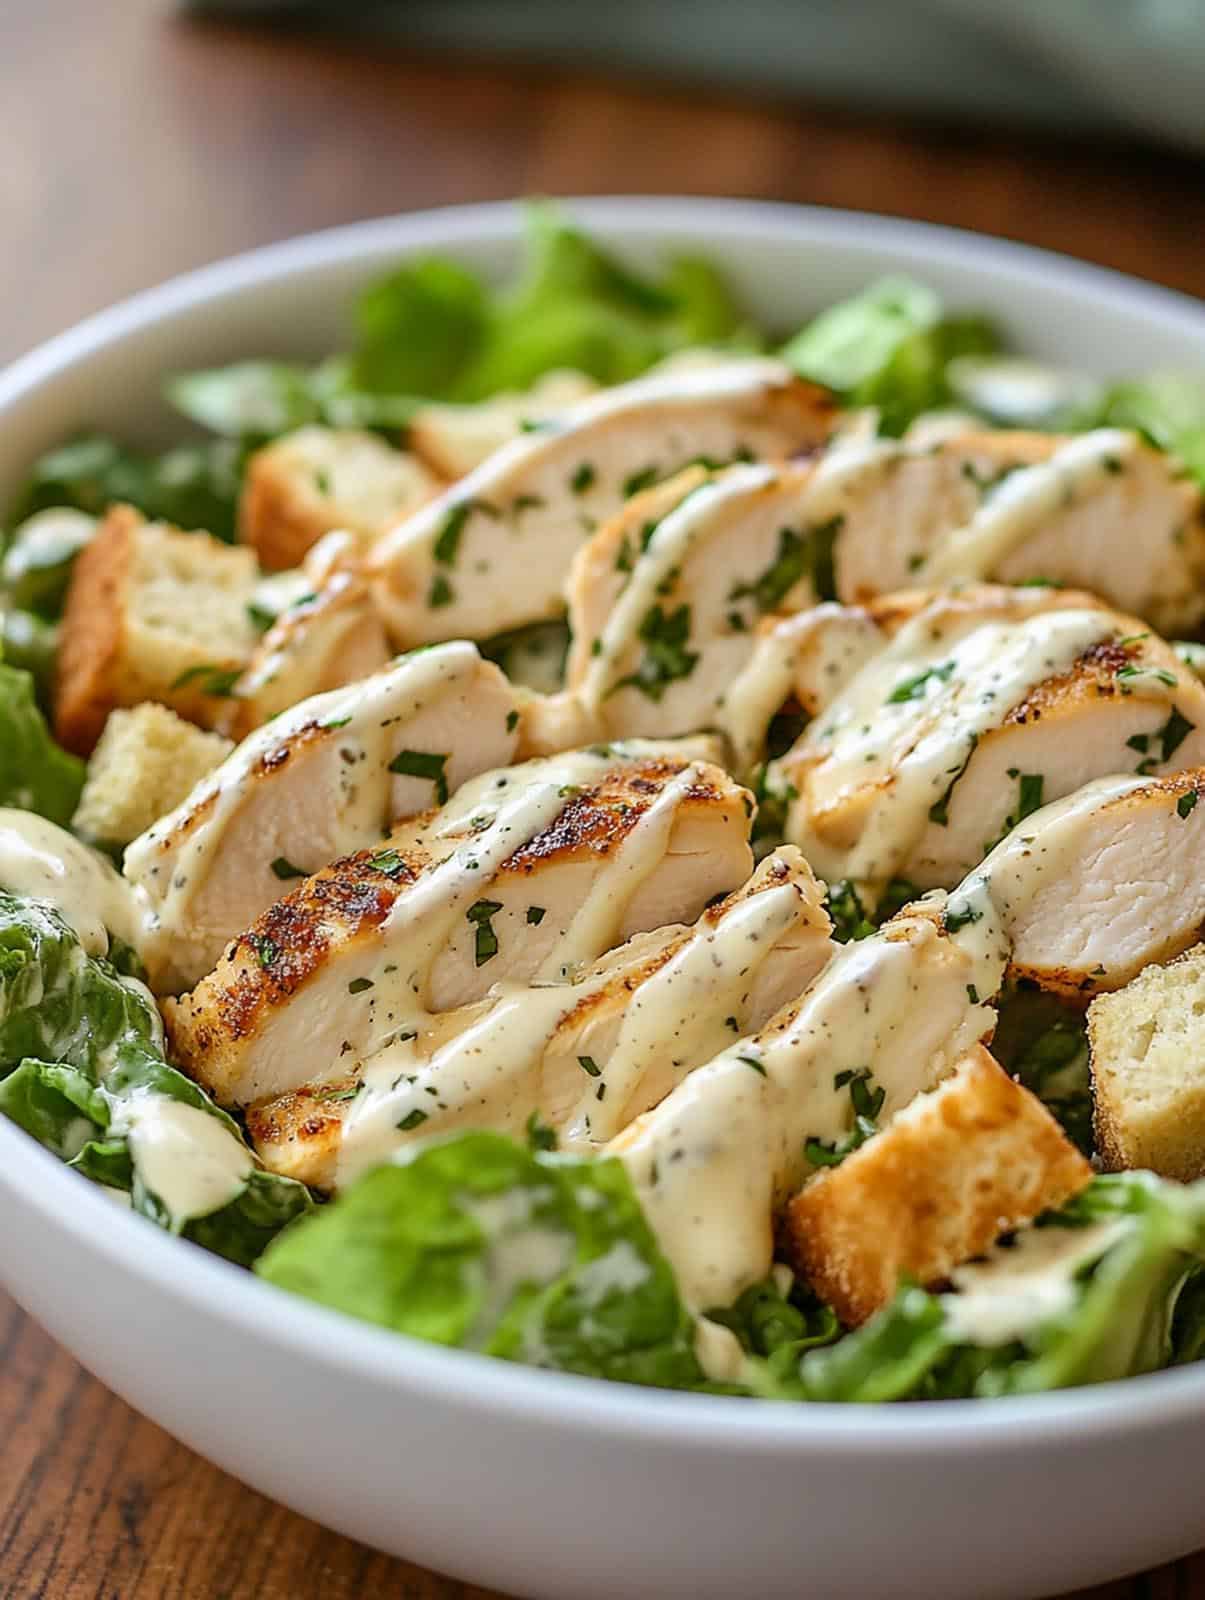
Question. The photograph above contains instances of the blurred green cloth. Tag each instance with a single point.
(1108, 66)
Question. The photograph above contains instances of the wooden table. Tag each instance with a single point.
(137, 145)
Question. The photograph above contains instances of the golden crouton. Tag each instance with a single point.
(955, 1169)
(1148, 1070)
(152, 614)
(316, 479)
(146, 762)
(455, 439)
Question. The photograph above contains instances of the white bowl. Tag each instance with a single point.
(535, 1483)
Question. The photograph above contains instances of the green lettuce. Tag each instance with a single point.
(37, 562)
(31, 643)
(1045, 1044)
(77, 1041)
(889, 346)
(1135, 1306)
(1169, 408)
(193, 486)
(481, 1243)
(432, 330)
(35, 773)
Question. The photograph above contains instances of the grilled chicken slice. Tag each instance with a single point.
(527, 873)
(585, 1056)
(1090, 890)
(984, 704)
(325, 778)
(326, 640)
(493, 552)
(664, 598)
(1097, 511)
(712, 1165)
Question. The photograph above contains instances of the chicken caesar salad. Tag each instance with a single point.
(589, 830)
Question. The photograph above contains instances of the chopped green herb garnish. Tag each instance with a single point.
(589, 1066)
(266, 950)
(914, 688)
(387, 861)
(535, 915)
(539, 1135)
(447, 544)
(752, 1061)
(480, 914)
(624, 561)
(1173, 734)
(584, 478)
(666, 658)
(1186, 802)
(218, 681)
(939, 811)
(284, 869)
(358, 985)
(644, 479)
(421, 764)
(780, 577)
(412, 1119)
(440, 592)
(512, 721)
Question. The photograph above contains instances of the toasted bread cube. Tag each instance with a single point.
(144, 764)
(1147, 1045)
(152, 614)
(455, 439)
(958, 1167)
(307, 483)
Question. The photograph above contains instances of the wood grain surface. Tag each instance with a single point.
(137, 144)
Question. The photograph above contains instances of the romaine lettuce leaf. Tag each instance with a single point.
(38, 558)
(1118, 1317)
(35, 773)
(77, 1043)
(889, 347)
(431, 330)
(1169, 408)
(479, 1242)
(30, 643)
(193, 486)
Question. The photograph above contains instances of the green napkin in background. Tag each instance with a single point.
(1084, 66)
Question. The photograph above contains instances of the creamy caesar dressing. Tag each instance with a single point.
(494, 1072)
(487, 821)
(187, 1158)
(172, 860)
(687, 1011)
(890, 748)
(710, 1162)
(1026, 499)
(44, 861)
(521, 1253)
(1017, 1288)
(985, 910)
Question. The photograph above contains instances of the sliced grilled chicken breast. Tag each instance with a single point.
(664, 598)
(331, 638)
(494, 552)
(1097, 511)
(984, 703)
(324, 778)
(527, 873)
(713, 1163)
(1089, 890)
(583, 1057)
